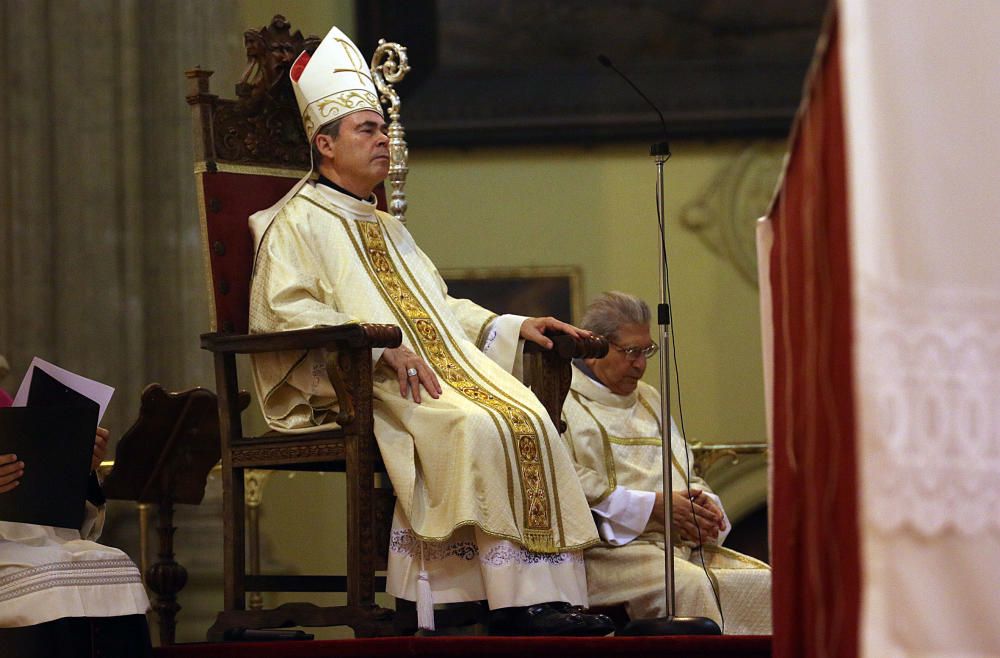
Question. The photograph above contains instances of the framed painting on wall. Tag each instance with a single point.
(531, 291)
(527, 71)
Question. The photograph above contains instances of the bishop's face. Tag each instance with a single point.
(359, 156)
(617, 370)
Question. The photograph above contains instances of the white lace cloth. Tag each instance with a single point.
(922, 97)
(929, 361)
(474, 566)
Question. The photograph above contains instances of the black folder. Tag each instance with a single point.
(54, 437)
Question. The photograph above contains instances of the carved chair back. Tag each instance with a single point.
(249, 151)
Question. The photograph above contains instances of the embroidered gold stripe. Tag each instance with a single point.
(636, 440)
(540, 425)
(417, 346)
(481, 338)
(609, 458)
(656, 416)
(538, 526)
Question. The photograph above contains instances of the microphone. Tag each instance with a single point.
(659, 148)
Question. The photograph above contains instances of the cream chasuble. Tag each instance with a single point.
(615, 441)
(485, 453)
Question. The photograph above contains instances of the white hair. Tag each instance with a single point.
(608, 312)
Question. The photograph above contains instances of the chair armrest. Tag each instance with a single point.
(569, 347)
(351, 335)
(548, 371)
(708, 455)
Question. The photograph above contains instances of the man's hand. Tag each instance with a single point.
(100, 447)
(11, 471)
(533, 329)
(412, 372)
(707, 515)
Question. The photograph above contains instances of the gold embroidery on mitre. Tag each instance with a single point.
(347, 100)
(538, 525)
(330, 107)
(354, 57)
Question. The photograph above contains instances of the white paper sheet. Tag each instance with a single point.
(96, 391)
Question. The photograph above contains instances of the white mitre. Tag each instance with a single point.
(329, 84)
(332, 82)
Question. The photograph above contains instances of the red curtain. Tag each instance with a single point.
(814, 527)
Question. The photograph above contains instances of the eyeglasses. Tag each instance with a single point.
(633, 353)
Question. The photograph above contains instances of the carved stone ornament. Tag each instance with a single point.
(724, 216)
(263, 125)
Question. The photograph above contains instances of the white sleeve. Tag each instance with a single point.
(623, 515)
(93, 521)
(503, 343)
(729, 526)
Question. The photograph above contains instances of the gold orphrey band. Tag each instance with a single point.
(538, 519)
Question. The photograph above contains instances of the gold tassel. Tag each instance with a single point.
(540, 541)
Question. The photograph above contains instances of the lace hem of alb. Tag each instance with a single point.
(929, 422)
(405, 542)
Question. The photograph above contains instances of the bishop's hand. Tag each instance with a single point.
(533, 329)
(412, 373)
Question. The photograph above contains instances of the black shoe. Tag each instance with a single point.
(546, 619)
(598, 621)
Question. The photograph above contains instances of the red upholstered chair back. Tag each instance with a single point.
(228, 198)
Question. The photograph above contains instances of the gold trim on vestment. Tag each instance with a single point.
(735, 555)
(481, 338)
(506, 537)
(636, 440)
(648, 407)
(717, 591)
(405, 328)
(555, 490)
(502, 395)
(493, 414)
(673, 457)
(609, 457)
(538, 535)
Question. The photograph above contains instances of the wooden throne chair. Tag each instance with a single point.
(249, 151)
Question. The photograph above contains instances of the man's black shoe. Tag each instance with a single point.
(598, 621)
(546, 619)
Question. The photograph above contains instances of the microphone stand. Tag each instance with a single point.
(671, 624)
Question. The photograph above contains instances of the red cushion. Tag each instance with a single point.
(230, 199)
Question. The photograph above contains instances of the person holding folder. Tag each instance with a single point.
(63, 595)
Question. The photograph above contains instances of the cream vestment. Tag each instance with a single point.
(481, 466)
(615, 440)
(49, 573)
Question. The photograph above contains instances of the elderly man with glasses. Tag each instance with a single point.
(613, 421)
